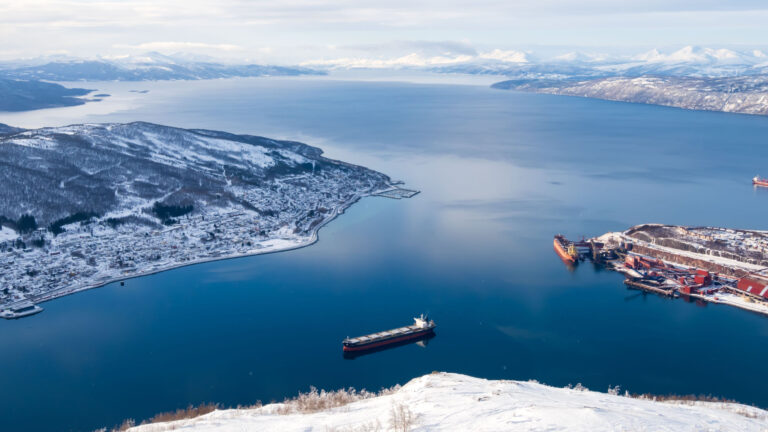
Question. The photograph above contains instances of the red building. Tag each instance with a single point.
(754, 285)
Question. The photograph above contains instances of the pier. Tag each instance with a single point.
(638, 284)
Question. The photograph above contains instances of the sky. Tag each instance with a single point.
(293, 32)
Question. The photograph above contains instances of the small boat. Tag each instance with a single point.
(566, 249)
(757, 181)
(422, 327)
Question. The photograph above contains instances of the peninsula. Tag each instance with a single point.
(27, 95)
(86, 205)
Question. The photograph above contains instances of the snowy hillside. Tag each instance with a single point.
(452, 402)
(52, 173)
(744, 94)
(85, 205)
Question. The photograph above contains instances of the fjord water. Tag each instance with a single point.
(500, 173)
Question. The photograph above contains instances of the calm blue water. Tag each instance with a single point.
(500, 173)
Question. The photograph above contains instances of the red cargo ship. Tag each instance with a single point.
(566, 249)
(757, 181)
(422, 327)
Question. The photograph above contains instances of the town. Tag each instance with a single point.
(92, 253)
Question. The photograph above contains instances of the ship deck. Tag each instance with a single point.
(387, 334)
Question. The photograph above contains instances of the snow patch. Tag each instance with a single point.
(7, 234)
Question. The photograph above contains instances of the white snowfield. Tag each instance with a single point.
(7, 234)
(452, 402)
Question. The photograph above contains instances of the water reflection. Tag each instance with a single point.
(420, 342)
(500, 173)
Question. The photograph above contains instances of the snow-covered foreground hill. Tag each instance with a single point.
(452, 402)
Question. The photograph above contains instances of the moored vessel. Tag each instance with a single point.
(422, 327)
(566, 249)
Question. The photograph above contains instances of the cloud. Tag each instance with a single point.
(429, 31)
(410, 60)
(508, 56)
(426, 48)
(419, 60)
(180, 46)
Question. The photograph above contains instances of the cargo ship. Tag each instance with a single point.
(757, 181)
(422, 327)
(566, 249)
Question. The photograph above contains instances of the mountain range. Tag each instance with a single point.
(147, 67)
(686, 61)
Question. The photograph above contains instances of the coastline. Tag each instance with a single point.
(299, 243)
(731, 269)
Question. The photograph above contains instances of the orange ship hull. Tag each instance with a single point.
(562, 253)
(760, 182)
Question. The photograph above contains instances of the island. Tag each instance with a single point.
(86, 205)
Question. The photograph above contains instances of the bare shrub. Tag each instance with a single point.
(320, 400)
(125, 425)
(401, 418)
(313, 401)
(690, 399)
(389, 391)
(182, 414)
(614, 390)
(577, 387)
(681, 398)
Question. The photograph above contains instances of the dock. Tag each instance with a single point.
(649, 288)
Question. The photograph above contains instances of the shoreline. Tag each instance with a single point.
(307, 241)
(730, 270)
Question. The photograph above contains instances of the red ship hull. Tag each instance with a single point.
(382, 343)
(760, 182)
(562, 253)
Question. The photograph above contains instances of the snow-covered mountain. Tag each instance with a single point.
(741, 94)
(685, 61)
(691, 77)
(149, 66)
(693, 61)
(52, 173)
(452, 402)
